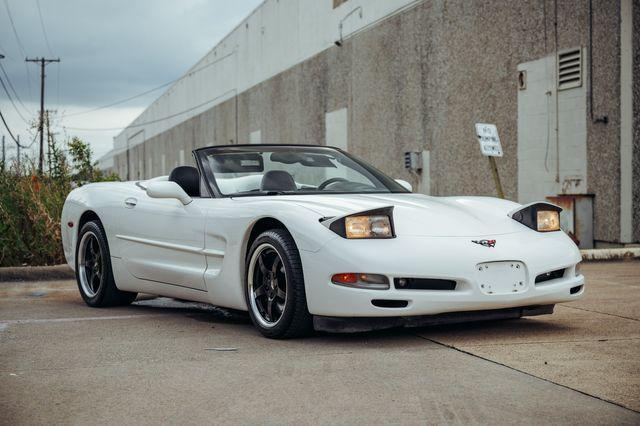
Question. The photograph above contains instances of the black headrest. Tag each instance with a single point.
(277, 180)
(188, 178)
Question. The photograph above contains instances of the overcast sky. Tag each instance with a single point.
(109, 50)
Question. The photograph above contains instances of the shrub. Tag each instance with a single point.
(31, 204)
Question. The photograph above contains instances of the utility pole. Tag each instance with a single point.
(43, 62)
(3, 151)
(18, 148)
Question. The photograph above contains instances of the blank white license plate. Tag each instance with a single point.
(501, 277)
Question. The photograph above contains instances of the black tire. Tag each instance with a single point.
(105, 293)
(295, 319)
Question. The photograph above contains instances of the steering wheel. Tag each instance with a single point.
(328, 182)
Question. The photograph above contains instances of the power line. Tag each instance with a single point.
(11, 100)
(6, 77)
(3, 49)
(120, 101)
(188, 74)
(6, 126)
(20, 46)
(35, 136)
(13, 26)
(44, 32)
(157, 120)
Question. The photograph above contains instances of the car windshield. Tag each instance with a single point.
(274, 170)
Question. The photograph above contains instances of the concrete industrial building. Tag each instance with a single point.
(383, 77)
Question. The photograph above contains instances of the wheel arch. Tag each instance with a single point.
(257, 228)
(86, 216)
(71, 235)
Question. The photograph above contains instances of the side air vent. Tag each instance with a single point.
(423, 284)
(548, 276)
(569, 69)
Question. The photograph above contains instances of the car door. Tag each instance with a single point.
(163, 240)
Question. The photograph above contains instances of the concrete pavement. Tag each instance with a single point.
(62, 362)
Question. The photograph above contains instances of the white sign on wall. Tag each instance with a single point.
(489, 140)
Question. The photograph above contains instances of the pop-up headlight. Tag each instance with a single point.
(541, 217)
(370, 224)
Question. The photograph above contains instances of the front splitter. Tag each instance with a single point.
(360, 324)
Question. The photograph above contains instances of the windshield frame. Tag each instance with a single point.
(209, 178)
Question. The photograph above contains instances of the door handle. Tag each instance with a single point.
(130, 202)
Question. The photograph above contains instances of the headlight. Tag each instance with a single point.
(541, 217)
(378, 226)
(370, 224)
(578, 269)
(548, 221)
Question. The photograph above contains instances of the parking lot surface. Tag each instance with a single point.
(161, 360)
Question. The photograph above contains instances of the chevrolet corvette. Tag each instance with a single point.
(310, 237)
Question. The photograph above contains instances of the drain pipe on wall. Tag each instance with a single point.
(557, 126)
(626, 121)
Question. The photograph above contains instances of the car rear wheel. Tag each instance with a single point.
(274, 287)
(93, 269)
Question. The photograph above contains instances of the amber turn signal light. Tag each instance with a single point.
(361, 280)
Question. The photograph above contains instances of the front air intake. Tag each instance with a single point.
(386, 303)
(575, 290)
(548, 276)
(424, 284)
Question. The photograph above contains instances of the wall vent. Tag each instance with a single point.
(570, 69)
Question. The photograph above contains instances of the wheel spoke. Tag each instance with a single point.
(91, 279)
(276, 309)
(269, 314)
(274, 267)
(263, 268)
(95, 283)
(260, 291)
(95, 248)
(281, 294)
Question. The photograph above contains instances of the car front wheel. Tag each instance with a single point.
(274, 287)
(93, 269)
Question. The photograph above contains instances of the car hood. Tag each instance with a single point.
(422, 215)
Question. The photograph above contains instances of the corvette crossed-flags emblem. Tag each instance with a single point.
(485, 243)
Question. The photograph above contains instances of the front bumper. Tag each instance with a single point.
(454, 258)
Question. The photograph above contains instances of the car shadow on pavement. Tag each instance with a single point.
(495, 330)
(198, 311)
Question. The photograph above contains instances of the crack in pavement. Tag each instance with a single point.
(524, 372)
(544, 342)
(599, 312)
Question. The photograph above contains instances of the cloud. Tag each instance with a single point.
(109, 50)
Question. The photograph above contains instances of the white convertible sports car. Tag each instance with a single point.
(308, 237)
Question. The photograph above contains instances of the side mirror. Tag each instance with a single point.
(167, 189)
(406, 185)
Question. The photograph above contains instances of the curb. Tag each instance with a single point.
(36, 273)
(64, 272)
(628, 253)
